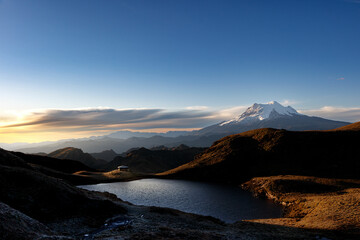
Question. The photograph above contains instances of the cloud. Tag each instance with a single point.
(228, 113)
(41, 124)
(340, 79)
(197, 108)
(335, 113)
(106, 118)
(287, 102)
(7, 118)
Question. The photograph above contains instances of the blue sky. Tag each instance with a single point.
(172, 55)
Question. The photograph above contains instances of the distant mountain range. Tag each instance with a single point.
(270, 115)
(270, 152)
(130, 134)
(139, 160)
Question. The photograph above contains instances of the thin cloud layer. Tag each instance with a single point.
(287, 102)
(335, 113)
(94, 119)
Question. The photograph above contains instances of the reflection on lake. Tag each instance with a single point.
(228, 203)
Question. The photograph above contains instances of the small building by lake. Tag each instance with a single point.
(123, 168)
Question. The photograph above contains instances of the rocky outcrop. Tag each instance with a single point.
(16, 225)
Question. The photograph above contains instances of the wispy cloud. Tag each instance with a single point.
(288, 102)
(228, 113)
(110, 119)
(197, 108)
(335, 113)
(340, 78)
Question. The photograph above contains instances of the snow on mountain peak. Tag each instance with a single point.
(262, 111)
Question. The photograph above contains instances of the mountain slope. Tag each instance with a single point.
(154, 161)
(261, 112)
(350, 127)
(266, 152)
(107, 155)
(46, 198)
(78, 155)
(271, 115)
(130, 134)
(62, 165)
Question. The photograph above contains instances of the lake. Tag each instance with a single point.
(225, 202)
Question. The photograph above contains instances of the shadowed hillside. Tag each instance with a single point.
(48, 199)
(107, 155)
(62, 165)
(78, 155)
(267, 152)
(154, 161)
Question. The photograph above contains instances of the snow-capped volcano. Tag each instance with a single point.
(261, 112)
(269, 115)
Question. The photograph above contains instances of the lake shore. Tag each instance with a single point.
(311, 203)
(87, 177)
(319, 204)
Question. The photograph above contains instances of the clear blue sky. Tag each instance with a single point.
(73, 53)
(172, 54)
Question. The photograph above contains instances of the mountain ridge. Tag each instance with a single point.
(77, 154)
(266, 152)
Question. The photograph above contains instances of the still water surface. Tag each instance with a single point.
(228, 203)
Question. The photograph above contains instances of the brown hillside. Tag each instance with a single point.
(318, 203)
(350, 127)
(267, 152)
